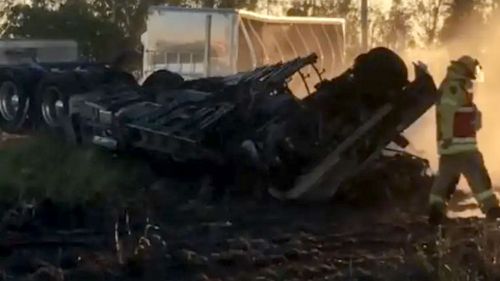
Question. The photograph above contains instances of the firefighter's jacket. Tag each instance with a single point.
(458, 118)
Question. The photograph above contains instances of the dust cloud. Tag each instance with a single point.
(423, 133)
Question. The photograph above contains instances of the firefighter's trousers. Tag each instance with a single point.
(471, 165)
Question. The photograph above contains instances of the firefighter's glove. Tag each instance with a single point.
(445, 143)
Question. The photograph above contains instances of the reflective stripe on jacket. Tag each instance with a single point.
(456, 115)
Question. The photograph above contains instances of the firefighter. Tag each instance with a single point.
(458, 120)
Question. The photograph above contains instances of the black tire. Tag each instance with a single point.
(124, 79)
(210, 84)
(380, 71)
(51, 102)
(162, 80)
(14, 103)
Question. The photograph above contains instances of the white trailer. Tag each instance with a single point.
(21, 51)
(213, 42)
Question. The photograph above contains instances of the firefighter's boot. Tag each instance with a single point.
(436, 215)
(493, 214)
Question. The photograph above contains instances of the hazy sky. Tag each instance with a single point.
(383, 3)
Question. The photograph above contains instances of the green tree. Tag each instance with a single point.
(97, 37)
(464, 26)
(5, 10)
(428, 19)
(393, 29)
(129, 16)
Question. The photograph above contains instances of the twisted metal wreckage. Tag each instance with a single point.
(305, 148)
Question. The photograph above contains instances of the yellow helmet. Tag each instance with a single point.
(471, 66)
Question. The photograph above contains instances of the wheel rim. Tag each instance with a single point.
(52, 106)
(9, 100)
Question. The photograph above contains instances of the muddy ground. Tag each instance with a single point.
(158, 235)
(243, 240)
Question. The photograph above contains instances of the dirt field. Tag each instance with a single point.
(159, 238)
(157, 235)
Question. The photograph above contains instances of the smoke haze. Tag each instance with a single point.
(423, 133)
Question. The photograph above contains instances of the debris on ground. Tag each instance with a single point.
(243, 240)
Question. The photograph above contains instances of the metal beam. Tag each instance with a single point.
(208, 45)
(364, 25)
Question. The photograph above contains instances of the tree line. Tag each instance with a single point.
(104, 27)
(411, 23)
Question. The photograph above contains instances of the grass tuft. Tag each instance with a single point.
(39, 168)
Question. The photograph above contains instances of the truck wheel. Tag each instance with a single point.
(51, 105)
(380, 71)
(163, 80)
(14, 103)
(124, 78)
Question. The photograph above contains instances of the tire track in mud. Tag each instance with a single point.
(242, 240)
(306, 245)
(329, 244)
(261, 242)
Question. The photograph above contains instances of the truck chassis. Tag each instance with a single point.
(305, 149)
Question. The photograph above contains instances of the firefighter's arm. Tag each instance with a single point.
(447, 109)
(446, 113)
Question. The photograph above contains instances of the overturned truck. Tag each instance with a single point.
(302, 148)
